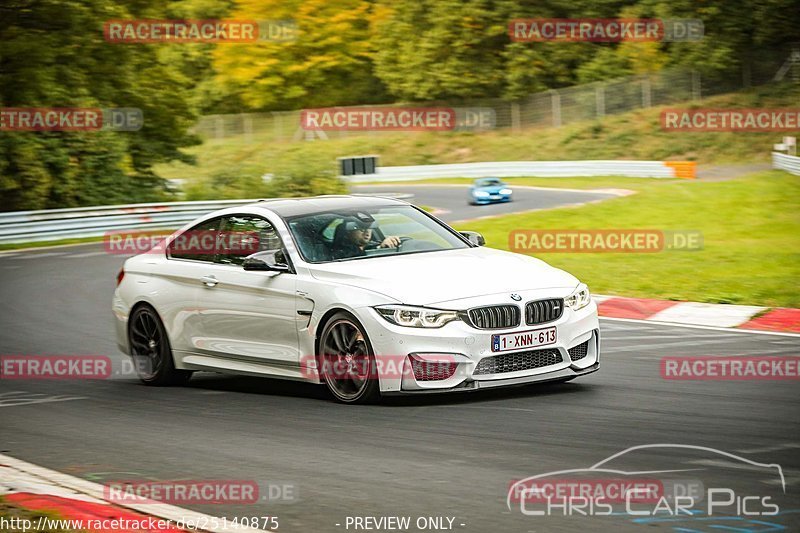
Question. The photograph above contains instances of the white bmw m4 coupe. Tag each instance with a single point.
(367, 295)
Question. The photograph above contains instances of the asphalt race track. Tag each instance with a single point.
(453, 199)
(431, 456)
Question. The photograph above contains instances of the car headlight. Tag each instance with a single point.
(505, 191)
(416, 317)
(481, 194)
(579, 298)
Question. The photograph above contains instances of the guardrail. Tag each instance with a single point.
(789, 163)
(547, 169)
(85, 222)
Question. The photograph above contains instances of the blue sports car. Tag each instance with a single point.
(489, 191)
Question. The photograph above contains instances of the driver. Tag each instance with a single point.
(358, 238)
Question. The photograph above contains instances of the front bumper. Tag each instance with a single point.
(457, 342)
(490, 200)
(469, 386)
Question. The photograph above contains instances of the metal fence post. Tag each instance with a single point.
(277, 126)
(600, 100)
(555, 107)
(515, 123)
(696, 86)
(247, 127)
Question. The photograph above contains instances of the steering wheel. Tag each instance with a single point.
(402, 240)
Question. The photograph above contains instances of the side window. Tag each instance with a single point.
(243, 235)
(196, 243)
(329, 231)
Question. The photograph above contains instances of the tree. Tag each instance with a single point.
(52, 54)
(737, 32)
(434, 49)
(328, 63)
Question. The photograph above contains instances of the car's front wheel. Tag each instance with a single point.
(347, 362)
(150, 349)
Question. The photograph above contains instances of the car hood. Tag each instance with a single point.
(431, 277)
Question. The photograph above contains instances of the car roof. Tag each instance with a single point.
(291, 207)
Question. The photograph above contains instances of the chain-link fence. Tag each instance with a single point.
(551, 108)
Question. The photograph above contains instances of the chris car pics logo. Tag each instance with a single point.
(619, 485)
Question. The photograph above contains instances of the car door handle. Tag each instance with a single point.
(209, 281)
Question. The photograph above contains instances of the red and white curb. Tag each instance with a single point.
(71, 498)
(749, 317)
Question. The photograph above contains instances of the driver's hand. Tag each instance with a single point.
(390, 242)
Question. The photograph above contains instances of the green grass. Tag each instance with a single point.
(750, 226)
(634, 135)
(60, 242)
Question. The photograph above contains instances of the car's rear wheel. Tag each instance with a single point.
(347, 362)
(150, 349)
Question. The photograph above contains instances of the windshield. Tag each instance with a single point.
(490, 182)
(344, 235)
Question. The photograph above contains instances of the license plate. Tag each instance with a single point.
(495, 197)
(524, 339)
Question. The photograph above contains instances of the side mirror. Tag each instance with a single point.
(474, 237)
(271, 261)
